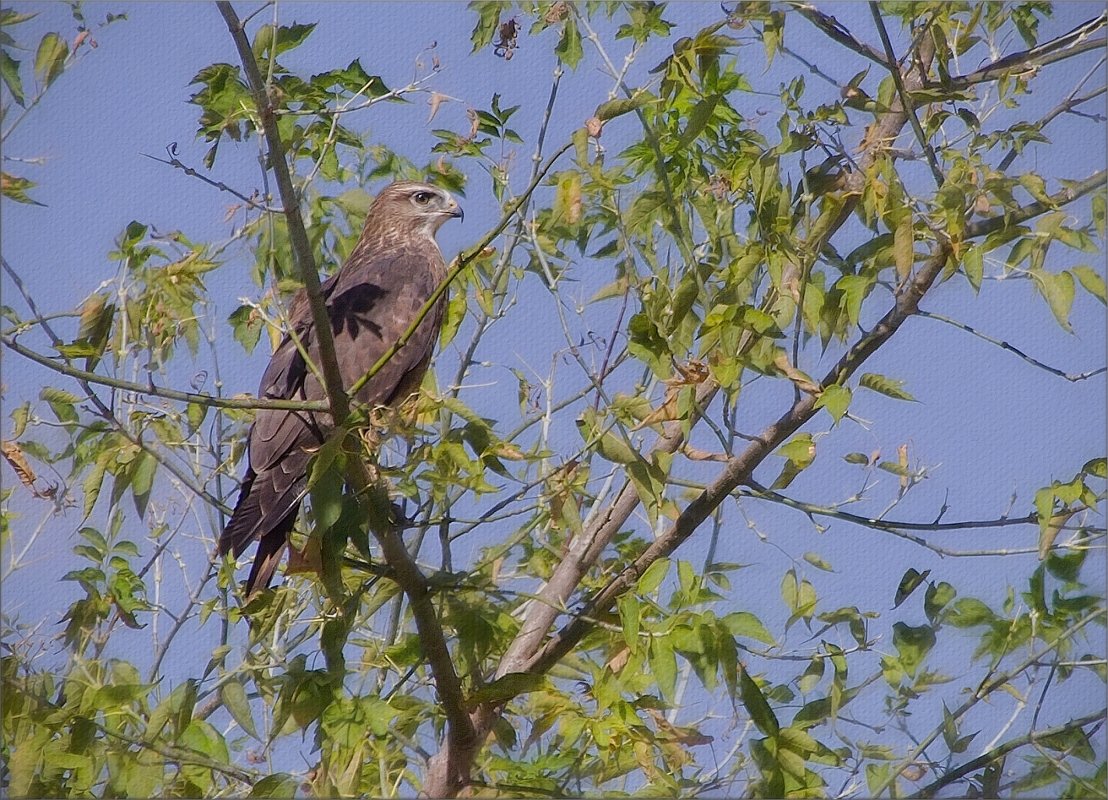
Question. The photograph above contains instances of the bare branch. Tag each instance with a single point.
(758, 491)
(176, 163)
(1069, 376)
(837, 31)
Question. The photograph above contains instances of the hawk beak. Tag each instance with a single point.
(456, 211)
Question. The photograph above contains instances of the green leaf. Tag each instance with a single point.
(663, 663)
(9, 71)
(624, 105)
(326, 482)
(913, 644)
(903, 254)
(652, 578)
(698, 119)
(629, 610)
(968, 612)
(268, 45)
(1058, 290)
(234, 700)
(247, 326)
(816, 561)
(279, 784)
(488, 20)
(1036, 187)
(1100, 214)
(1092, 280)
(15, 188)
(909, 582)
(973, 263)
(936, 598)
(761, 714)
(569, 49)
(19, 416)
(142, 479)
(50, 58)
(889, 387)
(62, 403)
(799, 595)
(743, 623)
(836, 399)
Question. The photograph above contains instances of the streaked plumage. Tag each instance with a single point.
(371, 301)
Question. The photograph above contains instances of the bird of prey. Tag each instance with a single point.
(371, 300)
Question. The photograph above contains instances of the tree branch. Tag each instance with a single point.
(298, 236)
(160, 391)
(1073, 377)
(985, 759)
(905, 99)
(740, 468)
(1068, 44)
(756, 490)
(836, 31)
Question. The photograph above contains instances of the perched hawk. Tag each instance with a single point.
(371, 301)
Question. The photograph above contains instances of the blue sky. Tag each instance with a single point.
(991, 426)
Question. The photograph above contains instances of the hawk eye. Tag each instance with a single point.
(422, 198)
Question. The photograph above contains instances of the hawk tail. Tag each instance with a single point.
(266, 511)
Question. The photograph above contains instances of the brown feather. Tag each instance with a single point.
(371, 300)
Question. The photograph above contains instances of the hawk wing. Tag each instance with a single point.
(370, 303)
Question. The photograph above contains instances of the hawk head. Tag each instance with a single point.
(411, 208)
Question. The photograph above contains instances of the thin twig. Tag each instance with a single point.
(176, 163)
(1069, 376)
(839, 33)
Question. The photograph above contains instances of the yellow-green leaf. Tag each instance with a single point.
(1092, 280)
(890, 387)
(1058, 290)
(50, 58)
(234, 700)
(903, 255)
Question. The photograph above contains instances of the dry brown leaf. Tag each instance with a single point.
(14, 456)
(803, 382)
(902, 460)
(617, 662)
(435, 100)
